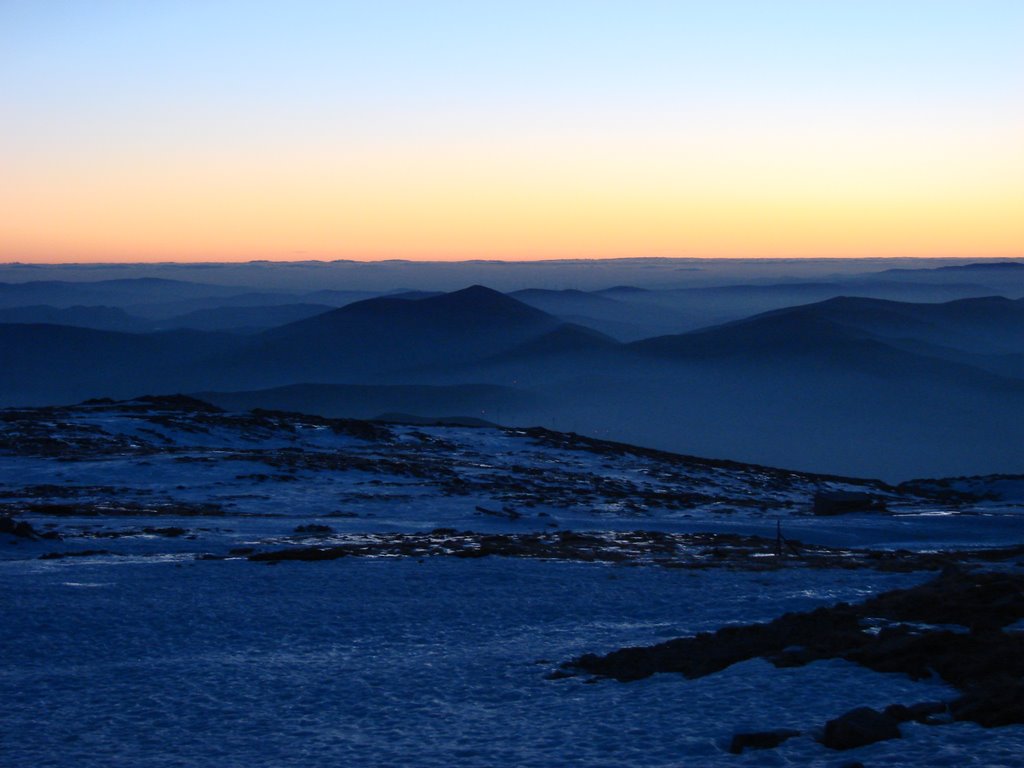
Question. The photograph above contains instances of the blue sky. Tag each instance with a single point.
(580, 97)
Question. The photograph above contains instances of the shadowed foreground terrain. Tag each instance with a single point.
(477, 526)
(184, 583)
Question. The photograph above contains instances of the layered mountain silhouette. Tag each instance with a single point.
(992, 324)
(388, 337)
(985, 333)
(365, 341)
(236, 319)
(1001, 277)
(850, 385)
(837, 327)
(118, 293)
(630, 314)
(99, 317)
(842, 384)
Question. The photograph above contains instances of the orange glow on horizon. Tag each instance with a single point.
(767, 196)
(322, 130)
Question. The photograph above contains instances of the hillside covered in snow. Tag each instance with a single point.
(183, 582)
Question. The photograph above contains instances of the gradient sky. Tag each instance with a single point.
(221, 130)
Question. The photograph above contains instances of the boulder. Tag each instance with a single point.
(858, 728)
(760, 740)
(308, 554)
(994, 705)
(18, 528)
(828, 503)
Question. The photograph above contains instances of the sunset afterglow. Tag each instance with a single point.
(318, 130)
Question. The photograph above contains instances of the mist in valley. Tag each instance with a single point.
(882, 368)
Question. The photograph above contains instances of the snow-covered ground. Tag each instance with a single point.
(378, 663)
(115, 467)
(149, 656)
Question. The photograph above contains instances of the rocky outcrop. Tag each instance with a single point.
(669, 550)
(858, 728)
(953, 626)
(760, 740)
(828, 503)
(18, 528)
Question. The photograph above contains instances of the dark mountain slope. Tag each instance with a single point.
(476, 305)
(567, 339)
(46, 364)
(359, 343)
(788, 388)
(250, 319)
(1003, 277)
(99, 318)
(773, 336)
(388, 336)
(635, 315)
(117, 293)
(848, 336)
(986, 325)
(623, 315)
(566, 301)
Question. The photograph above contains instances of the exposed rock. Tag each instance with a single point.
(986, 663)
(669, 550)
(308, 554)
(819, 634)
(846, 502)
(760, 740)
(558, 674)
(970, 600)
(74, 553)
(62, 510)
(998, 704)
(960, 658)
(794, 639)
(899, 713)
(858, 728)
(506, 512)
(171, 403)
(17, 528)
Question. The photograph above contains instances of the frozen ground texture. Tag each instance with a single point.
(149, 656)
(239, 477)
(371, 662)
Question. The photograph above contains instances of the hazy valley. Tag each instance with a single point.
(891, 373)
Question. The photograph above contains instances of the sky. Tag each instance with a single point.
(307, 129)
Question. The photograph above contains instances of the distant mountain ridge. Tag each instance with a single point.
(986, 324)
(106, 292)
(984, 265)
(849, 385)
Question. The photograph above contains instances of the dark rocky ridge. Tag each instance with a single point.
(953, 626)
(640, 547)
(180, 429)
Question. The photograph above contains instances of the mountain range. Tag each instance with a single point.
(850, 384)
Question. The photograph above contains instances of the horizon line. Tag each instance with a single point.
(542, 260)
